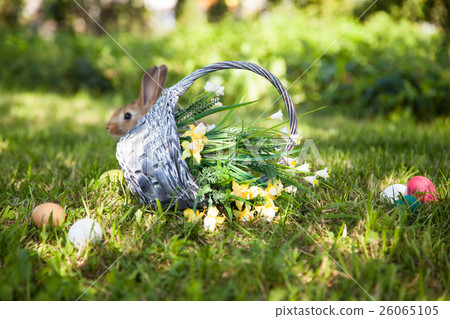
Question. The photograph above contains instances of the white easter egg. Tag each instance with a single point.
(84, 231)
(394, 192)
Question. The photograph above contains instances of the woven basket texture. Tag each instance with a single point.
(150, 154)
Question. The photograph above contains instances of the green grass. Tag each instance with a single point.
(54, 148)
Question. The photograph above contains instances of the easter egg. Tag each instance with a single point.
(422, 188)
(410, 201)
(114, 175)
(41, 214)
(393, 192)
(85, 231)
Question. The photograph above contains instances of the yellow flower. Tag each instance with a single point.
(197, 133)
(254, 192)
(245, 215)
(192, 216)
(240, 190)
(268, 210)
(193, 149)
(213, 211)
(211, 219)
(239, 204)
(274, 190)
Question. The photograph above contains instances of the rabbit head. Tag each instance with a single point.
(125, 118)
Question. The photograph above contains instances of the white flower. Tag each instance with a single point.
(209, 223)
(218, 103)
(220, 91)
(290, 189)
(211, 219)
(284, 133)
(304, 168)
(290, 161)
(267, 210)
(285, 130)
(210, 127)
(269, 213)
(296, 138)
(312, 179)
(274, 190)
(254, 191)
(323, 173)
(211, 87)
(344, 231)
(277, 116)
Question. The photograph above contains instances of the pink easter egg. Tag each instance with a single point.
(422, 188)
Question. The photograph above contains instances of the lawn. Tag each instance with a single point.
(54, 147)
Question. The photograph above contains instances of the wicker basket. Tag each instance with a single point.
(150, 154)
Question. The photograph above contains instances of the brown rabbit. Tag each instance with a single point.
(125, 118)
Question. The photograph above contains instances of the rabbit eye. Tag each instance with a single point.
(127, 116)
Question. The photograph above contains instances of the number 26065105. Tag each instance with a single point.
(409, 310)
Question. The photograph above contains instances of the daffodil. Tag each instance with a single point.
(211, 219)
(209, 223)
(240, 190)
(312, 179)
(244, 215)
(254, 191)
(239, 204)
(274, 190)
(192, 216)
(269, 213)
(193, 149)
(277, 116)
(197, 133)
(210, 127)
(267, 210)
(324, 173)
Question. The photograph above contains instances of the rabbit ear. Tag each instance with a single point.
(152, 85)
(148, 84)
(158, 86)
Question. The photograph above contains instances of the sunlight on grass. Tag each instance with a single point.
(43, 109)
(384, 248)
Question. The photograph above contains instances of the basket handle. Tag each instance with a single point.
(182, 86)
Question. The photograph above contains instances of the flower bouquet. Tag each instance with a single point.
(213, 172)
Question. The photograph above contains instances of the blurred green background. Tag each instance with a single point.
(393, 62)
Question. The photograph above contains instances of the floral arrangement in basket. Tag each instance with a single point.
(211, 172)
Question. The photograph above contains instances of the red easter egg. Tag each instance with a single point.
(422, 188)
